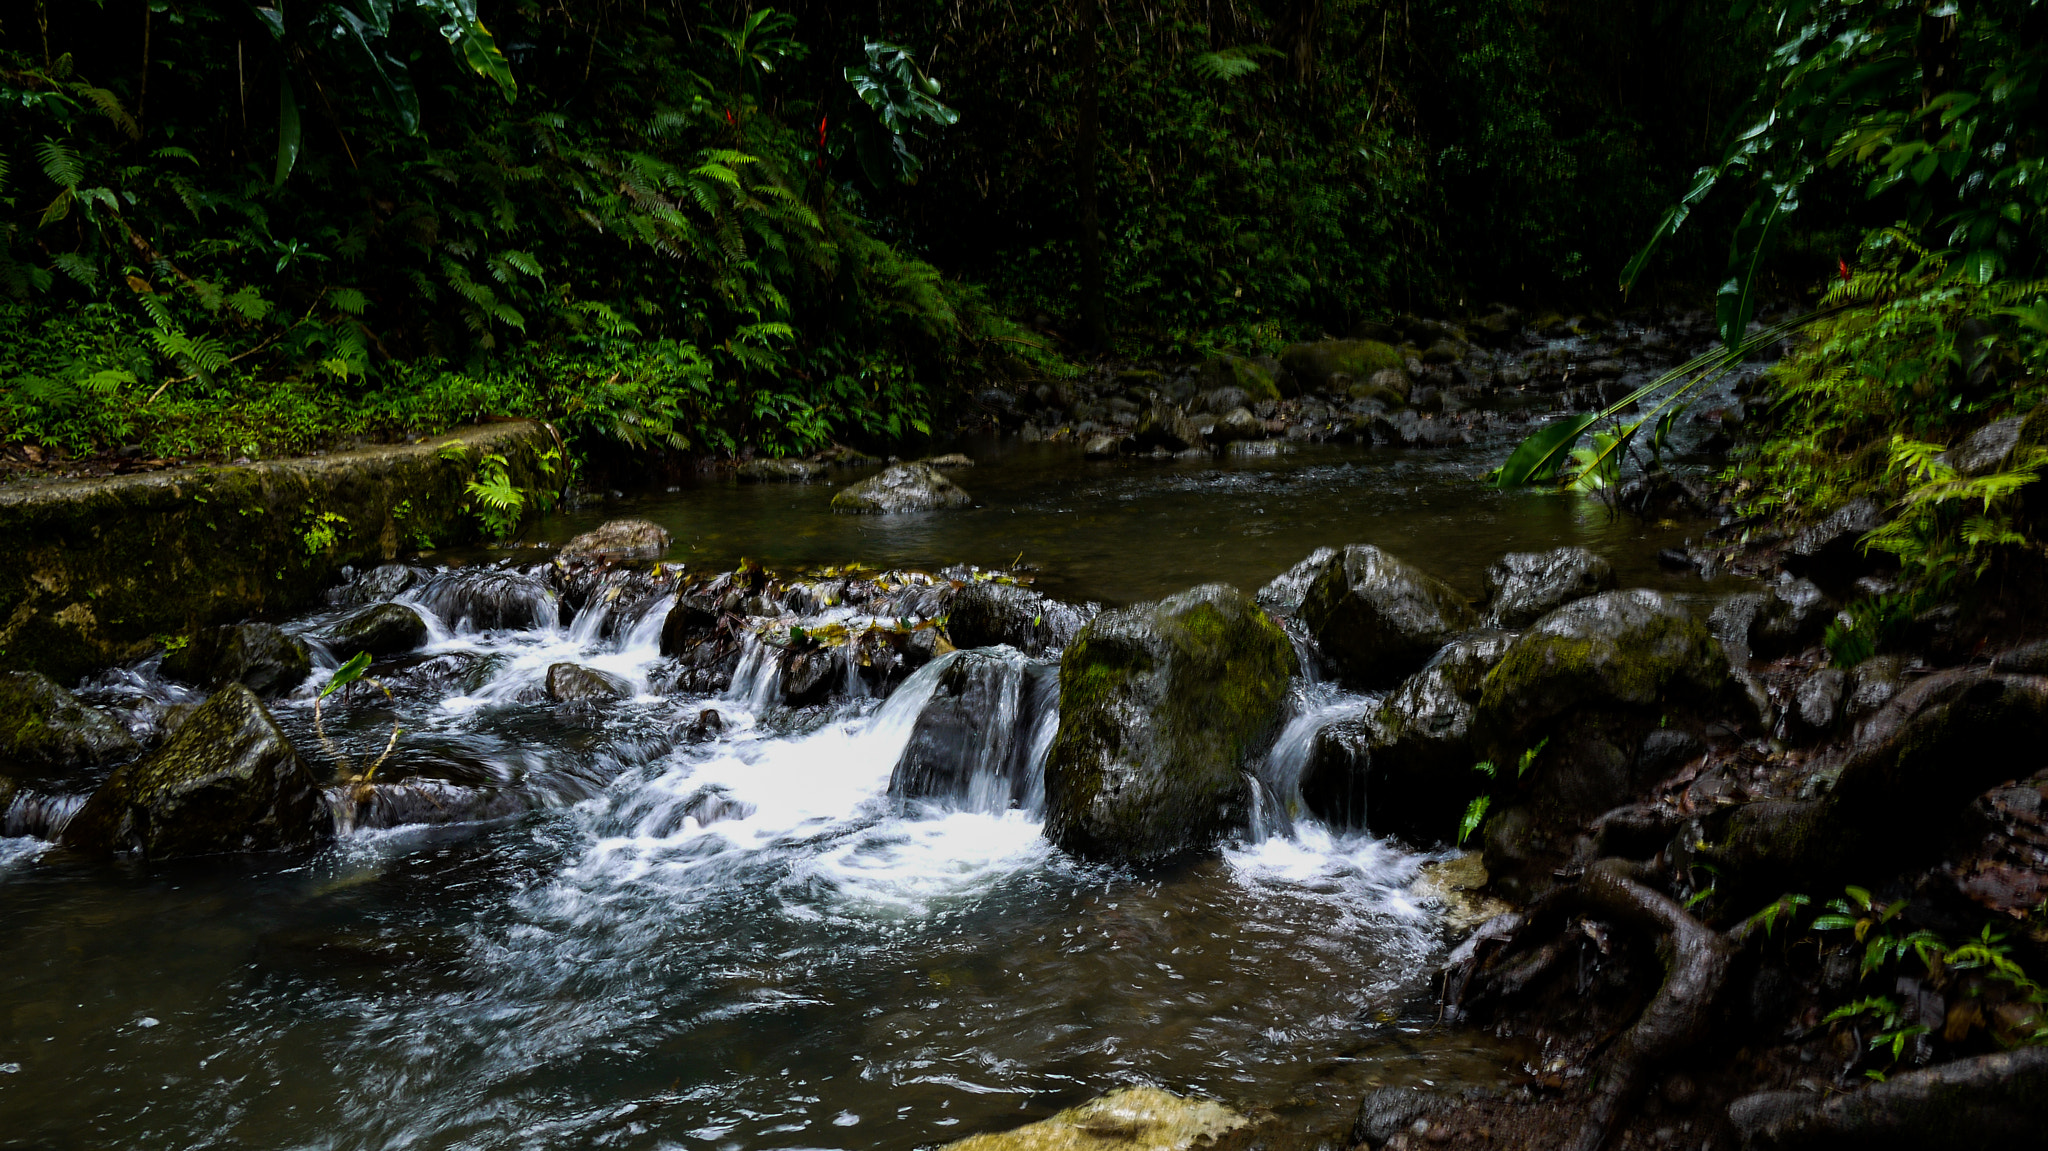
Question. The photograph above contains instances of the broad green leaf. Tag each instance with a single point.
(347, 673)
(1541, 455)
(287, 130)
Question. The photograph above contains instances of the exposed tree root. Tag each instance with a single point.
(1696, 961)
(1970, 1103)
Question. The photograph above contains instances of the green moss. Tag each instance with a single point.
(1312, 365)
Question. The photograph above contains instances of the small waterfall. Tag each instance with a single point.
(1277, 801)
(757, 682)
(39, 816)
(468, 600)
(980, 741)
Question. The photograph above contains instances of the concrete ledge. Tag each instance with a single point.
(93, 572)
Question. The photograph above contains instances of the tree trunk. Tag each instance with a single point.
(1094, 329)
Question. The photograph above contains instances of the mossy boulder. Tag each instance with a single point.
(1312, 365)
(381, 629)
(260, 656)
(1256, 379)
(1375, 617)
(228, 780)
(1635, 649)
(98, 570)
(901, 488)
(44, 726)
(1163, 707)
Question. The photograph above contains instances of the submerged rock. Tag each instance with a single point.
(1522, 587)
(383, 629)
(1132, 1119)
(1163, 707)
(766, 471)
(1375, 617)
(574, 683)
(618, 539)
(901, 488)
(986, 613)
(258, 656)
(228, 780)
(44, 726)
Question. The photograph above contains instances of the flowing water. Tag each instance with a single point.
(741, 938)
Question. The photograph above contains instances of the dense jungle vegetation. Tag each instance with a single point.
(233, 229)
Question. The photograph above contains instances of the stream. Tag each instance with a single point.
(741, 939)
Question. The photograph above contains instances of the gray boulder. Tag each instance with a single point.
(574, 683)
(44, 726)
(227, 780)
(1634, 649)
(619, 539)
(259, 656)
(382, 629)
(986, 613)
(1988, 449)
(901, 488)
(1166, 426)
(1522, 587)
(1377, 618)
(1163, 708)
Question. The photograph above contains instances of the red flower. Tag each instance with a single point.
(1843, 266)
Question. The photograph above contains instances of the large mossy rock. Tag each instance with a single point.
(1636, 649)
(901, 488)
(1523, 587)
(228, 780)
(1254, 378)
(383, 629)
(1375, 617)
(1312, 365)
(44, 726)
(986, 613)
(1163, 708)
(259, 656)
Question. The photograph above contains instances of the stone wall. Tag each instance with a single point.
(95, 572)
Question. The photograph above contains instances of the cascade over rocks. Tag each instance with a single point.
(1405, 769)
(986, 613)
(975, 741)
(260, 656)
(383, 629)
(617, 540)
(901, 488)
(227, 780)
(489, 601)
(1375, 617)
(44, 726)
(1522, 587)
(1163, 709)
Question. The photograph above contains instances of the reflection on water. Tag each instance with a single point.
(747, 942)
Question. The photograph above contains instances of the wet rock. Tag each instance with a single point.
(380, 584)
(383, 629)
(1377, 618)
(1819, 699)
(618, 539)
(1103, 447)
(1634, 649)
(1795, 614)
(1163, 707)
(901, 488)
(1405, 769)
(1665, 750)
(1873, 683)
(688, 623)
(228, 780)
(1166, 426)
(1256, 379)
(1522, 587)
(986, 613)
(1457, 886)
(1283, 596)
(489, 599)
(574, 683)
(767, 471)
(1390, 386)
(1389, 1111)
(973, 742)
(1224, 400)
(949, 461)
(1827, 551)
(258, 656)
(1312, 365)
(1238, 424)
(1130, 1119)
(44, 726)
(429, 802)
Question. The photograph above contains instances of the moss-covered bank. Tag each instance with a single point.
(93, 572)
